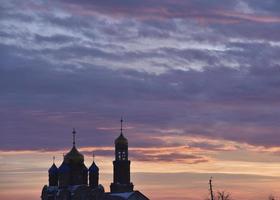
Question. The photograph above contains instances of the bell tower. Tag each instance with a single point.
(121, 164)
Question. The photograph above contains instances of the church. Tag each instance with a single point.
(74, 181)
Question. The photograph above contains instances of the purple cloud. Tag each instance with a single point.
(160, 64)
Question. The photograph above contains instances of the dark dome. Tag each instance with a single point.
(93, 168)
(85, 168)
(64, 168)
(74, 156)
(53, 169)
(121, 140)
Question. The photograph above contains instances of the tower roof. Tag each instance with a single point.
(74, 156)
(121, 140)
(93, 168)
(53, 169)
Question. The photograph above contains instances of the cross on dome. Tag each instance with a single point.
(74, 136)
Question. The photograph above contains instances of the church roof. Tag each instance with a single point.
(121, 140)
(74, 156)
(53, 169)
(135, 195)
(93, 168)
(124, 195)
(64, 168)
(85, 168)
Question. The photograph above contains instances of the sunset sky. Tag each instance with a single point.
(197, 82)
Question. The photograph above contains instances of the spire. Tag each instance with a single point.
(53, 174)
(74, 136)
(93, 174)
(121, 125)
(53, 169)
(93, 167)
(121, 139)
(53, 159)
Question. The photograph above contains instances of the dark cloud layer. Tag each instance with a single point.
(172, 68)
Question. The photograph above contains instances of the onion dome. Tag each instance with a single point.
(53, 169)
(64, 168)
(74, 156)
(121, 140)
(93, 168)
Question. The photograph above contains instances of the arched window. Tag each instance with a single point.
(123, 155)
(119, 155)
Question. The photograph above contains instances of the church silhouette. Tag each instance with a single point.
(74, 181)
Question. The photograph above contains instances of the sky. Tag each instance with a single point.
(196, 81)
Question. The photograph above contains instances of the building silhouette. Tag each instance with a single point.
(74, 181)
(121, 166)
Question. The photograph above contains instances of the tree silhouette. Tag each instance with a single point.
(220, 195)
(223, 196)
(271, 197)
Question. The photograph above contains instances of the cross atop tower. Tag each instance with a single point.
(74, 136)
(121, 124)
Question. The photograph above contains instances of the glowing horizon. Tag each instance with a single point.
(149, 175)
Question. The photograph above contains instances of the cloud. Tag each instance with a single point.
(196, 81)
(176, 154)
(225, 103)
(61, 69)
(213, 12)
(154, 155)
(172, 157)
